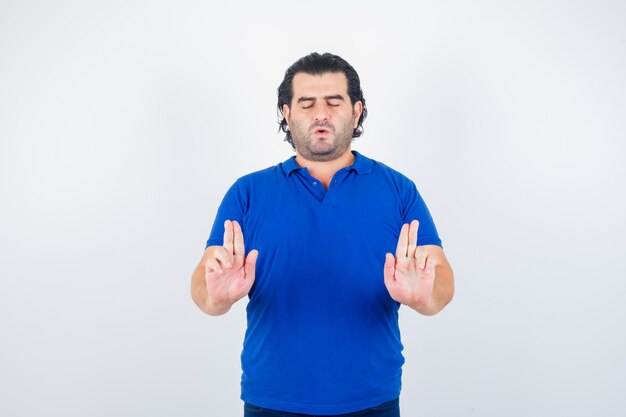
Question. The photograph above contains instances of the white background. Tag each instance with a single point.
(122, 124)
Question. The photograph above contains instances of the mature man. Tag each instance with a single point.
(324, 288)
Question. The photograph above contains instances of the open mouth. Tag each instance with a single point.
(321, 131)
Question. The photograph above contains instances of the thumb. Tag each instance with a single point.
(250, 265)
(389, 269)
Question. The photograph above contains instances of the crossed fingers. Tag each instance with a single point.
(407, 248)
(233, 238)
(407, 242)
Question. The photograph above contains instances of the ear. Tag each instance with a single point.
(286, 111)
(357, 109)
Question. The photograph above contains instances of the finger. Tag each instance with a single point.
(389, 270)
(412, 238)
(431, 264)
(228, 236)
(250, 265)
(224, 257)
(421, 256)
(212, 265)
(429, 274)
(403, 242)
(238, 245)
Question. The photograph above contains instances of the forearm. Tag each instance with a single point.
(202, 298)
(443, 291)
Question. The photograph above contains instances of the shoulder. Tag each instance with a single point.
(390, 172)
(383, 172)
(269, 175)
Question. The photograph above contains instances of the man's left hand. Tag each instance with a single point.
(410, 275)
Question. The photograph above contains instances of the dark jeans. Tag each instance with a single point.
(388, 409)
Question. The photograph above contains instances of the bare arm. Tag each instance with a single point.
(419, 276)
(224, 275)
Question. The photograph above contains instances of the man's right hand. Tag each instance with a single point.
(228, 273)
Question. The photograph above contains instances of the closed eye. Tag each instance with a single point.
(334, 101)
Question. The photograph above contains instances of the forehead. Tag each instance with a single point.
(329, 83)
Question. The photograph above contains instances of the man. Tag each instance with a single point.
(324, 288)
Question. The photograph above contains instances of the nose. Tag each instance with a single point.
(322, 112)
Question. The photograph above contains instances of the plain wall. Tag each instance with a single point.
(122, 124)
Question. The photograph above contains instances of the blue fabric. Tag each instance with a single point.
(319, 310)
(386, 409)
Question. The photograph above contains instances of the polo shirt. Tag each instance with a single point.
(322, 331)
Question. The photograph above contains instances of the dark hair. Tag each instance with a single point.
(316, 64)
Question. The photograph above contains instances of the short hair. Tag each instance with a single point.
(316, 64)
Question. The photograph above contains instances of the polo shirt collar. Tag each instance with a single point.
(361, 164)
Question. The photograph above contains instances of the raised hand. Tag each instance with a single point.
(410, 275)
(229, 274)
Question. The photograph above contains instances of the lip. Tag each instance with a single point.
(321, 131)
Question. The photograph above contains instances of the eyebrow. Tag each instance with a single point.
(333, 97)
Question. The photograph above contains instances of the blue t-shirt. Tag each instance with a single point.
(322, 334)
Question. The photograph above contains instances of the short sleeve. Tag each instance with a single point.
(414, 208)
(232, 208)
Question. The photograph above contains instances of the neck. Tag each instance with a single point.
(324, 170)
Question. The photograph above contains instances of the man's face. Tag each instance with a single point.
(321, 118)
